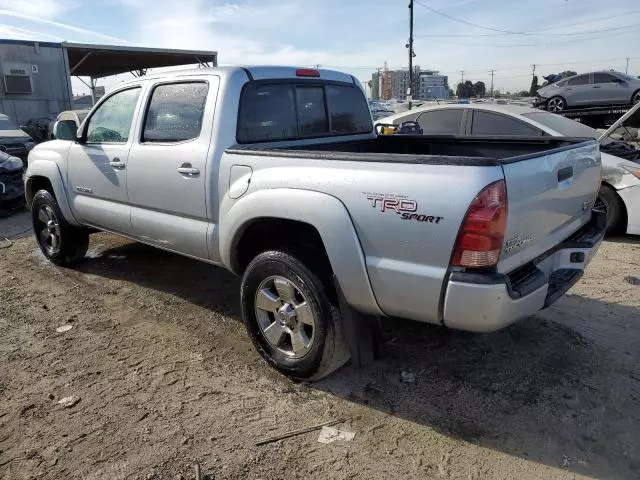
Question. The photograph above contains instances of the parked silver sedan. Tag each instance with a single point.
(590, 90)
(619, 195)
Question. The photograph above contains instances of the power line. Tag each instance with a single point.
(510, 32)
(480, 69)
(504, 35)
(530, 44)
(624, 14)
(445, 15)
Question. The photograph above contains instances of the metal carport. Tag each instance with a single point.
(96, 61)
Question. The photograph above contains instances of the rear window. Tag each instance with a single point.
(271, 112)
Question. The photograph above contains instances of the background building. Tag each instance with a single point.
(36, 76)
(427, 84)
(432, 85)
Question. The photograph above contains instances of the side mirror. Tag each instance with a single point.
(65, 130)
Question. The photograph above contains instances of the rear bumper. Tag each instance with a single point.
(487, 302)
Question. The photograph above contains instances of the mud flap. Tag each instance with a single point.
(363, 332)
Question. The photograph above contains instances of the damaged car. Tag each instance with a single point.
(11, 183)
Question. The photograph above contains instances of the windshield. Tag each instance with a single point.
(6, 124)
(562, 125)
(627, 77)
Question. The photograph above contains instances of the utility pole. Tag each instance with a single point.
(411, 54)
(461, 76)
(626, 70)
(379, 86)
(492, 73)
(533, 70)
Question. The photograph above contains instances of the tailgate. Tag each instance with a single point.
(550, 196)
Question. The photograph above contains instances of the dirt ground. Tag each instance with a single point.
(167, 377)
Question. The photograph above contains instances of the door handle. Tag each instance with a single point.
(597, 86)
(565, 174)
(117, 164)
(188, 170)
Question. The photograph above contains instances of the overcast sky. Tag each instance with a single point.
(356, 35)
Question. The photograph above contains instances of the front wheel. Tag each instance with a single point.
(556, 104)
(290, 318)
(60, 242)
(635, 98)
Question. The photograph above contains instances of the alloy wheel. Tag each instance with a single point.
(555, 105)
(285, 317)
(49, 230)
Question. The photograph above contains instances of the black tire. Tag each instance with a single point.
(635, 98)
(556, 104)
(328, 349)
(71, 243)
(609, 202)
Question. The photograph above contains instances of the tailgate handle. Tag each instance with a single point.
(565, 174)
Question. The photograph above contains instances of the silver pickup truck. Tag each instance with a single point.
(276, 174)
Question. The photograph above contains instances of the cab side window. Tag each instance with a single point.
(579, 80)
(111, 122)
(175, 112)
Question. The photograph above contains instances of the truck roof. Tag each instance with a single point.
(257, 72)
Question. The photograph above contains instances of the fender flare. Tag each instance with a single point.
(49, 170)
(326, 214)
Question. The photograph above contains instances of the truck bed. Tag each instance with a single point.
(423, 149)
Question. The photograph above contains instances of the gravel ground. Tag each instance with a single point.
(166, 377)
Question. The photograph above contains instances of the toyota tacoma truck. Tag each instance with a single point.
(277, 174)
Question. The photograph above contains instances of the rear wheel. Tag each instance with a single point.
(556, 104)
(608, 202)
(60, 242)
(290, 318)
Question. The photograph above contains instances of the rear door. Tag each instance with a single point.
(490, 123)
(550, 196)
(579, 91)
(168, 163)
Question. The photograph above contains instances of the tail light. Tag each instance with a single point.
(482, 234)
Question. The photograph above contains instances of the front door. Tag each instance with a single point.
(610, 88)
(97, 168)
(168, 171)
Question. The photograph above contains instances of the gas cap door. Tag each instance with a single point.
(239, 179)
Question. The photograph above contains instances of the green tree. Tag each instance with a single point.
(534, 86)
(523, 93)
(479, 89)
(465, 90)
(568, 73)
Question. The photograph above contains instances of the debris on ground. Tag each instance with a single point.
(68, 402)
(407, 377)
(331, 434)
(5, 243)
(300, 431)
(632, 280)
(64, 328)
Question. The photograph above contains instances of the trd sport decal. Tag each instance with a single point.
(401, 205)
